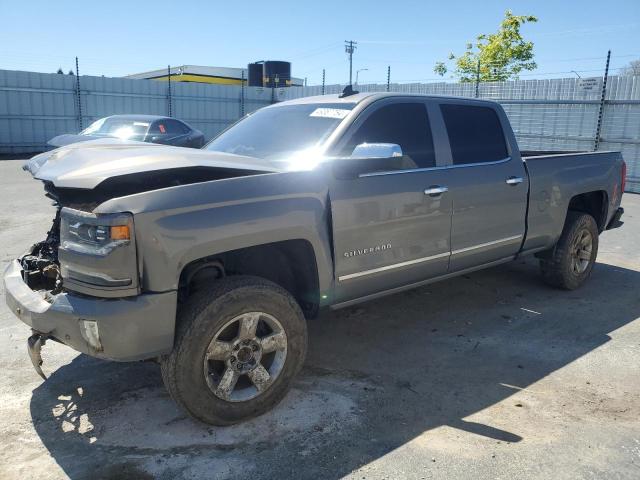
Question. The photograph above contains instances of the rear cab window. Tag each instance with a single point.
(475, 133)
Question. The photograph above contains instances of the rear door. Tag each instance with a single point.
(487, 183)
(386, 231)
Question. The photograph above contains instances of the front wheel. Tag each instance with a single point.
(570, 263)
(238, 347)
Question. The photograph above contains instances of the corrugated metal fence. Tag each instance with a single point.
(35, 107)
(557, 114)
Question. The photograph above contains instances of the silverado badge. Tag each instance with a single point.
(367, 250)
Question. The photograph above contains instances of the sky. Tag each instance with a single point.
(115, 38)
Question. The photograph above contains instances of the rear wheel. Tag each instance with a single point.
(570, 263)
(238, 347)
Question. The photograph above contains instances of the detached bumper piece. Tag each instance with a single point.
(122, 329)
(615, 220)
(34, 346)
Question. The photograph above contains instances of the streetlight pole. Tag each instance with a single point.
(358, 71)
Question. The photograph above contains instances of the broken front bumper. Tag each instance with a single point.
(123, 329)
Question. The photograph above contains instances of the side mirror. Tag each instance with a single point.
(377, 150)
(368, 158)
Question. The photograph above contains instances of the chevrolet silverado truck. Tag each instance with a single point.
(210, 261)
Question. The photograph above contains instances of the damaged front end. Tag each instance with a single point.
(40, 271)
(40, 266)
(78, 256)
(95, 254)
(80, 287)
(83, 284)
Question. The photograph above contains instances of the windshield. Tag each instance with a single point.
(275, 133)
(125, 128)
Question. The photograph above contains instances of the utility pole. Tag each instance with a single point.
(169, 88)
(388, 77)
(603, 97)
(478, 79)
(242, 95)
(78, 95)
(323, 81)
(349, 47)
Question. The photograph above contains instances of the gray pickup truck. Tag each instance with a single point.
(210, 260)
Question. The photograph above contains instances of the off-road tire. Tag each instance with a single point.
(556, 265)
(202, 316)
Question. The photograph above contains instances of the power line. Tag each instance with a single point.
(314, 51)
(588, 30)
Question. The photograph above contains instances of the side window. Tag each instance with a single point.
(167, 127)
(158, 128)
(185, 128)
(405, 124)
(475, 134)
(175, 128)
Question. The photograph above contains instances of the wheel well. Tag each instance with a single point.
(290, 264)
(593, 203)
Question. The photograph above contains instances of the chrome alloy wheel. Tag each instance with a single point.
(245, 356)
(580, 252)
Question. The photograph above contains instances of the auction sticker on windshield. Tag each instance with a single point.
(330, 112)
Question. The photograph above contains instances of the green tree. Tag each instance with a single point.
(501, 55)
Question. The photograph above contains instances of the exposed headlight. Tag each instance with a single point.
(94, 234)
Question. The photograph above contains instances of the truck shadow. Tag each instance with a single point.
(377, 377)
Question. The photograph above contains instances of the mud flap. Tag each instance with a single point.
(34, 345)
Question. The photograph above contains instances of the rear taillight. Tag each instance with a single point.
(623, 180)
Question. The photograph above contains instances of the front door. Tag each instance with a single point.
(387, 231)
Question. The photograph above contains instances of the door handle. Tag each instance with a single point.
(435, 190)
(514, 180)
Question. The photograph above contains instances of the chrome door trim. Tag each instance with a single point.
(488, 244)
(390, 267)
(429, 169)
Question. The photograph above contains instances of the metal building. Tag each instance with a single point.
(203, 74)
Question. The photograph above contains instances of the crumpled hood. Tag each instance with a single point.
(87, 164)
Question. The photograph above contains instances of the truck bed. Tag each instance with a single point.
(555, 178)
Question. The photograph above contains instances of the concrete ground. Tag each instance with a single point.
(487, 376)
